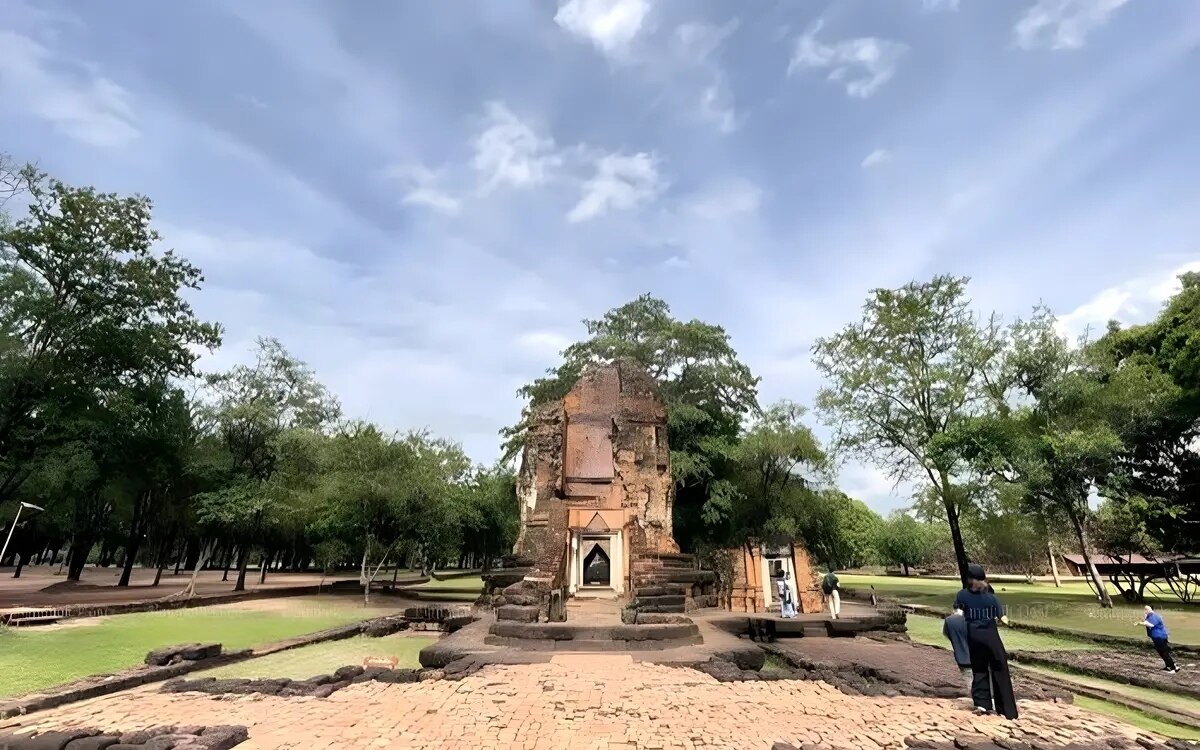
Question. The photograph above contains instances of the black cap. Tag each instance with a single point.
(976, 573)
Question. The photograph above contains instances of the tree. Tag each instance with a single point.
(88, 307)
(708, 392)
(1163, 463)
(1057, 427)
(778, 463)
(839, 531)
(905, 541)
(255, 413)
(916, 365)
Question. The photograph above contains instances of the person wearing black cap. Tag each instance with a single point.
(990, 680)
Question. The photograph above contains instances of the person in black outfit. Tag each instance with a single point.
(991, 683)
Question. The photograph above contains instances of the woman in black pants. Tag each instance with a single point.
(991, 683)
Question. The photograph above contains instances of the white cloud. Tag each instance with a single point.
(863, 65)
(543, 343)
(1062, 24)
(82, 104)
(725, 199)
(509, 152)
(610, 24)
(421, 188)
(936, 5)
(620, 183)
(716, 106)
(1134, 301)
(876, 157)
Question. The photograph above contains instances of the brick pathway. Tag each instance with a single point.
(584, 702)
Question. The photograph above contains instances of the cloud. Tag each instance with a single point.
(936, 5)
(1135, 301)
(620, 183)
(543, 343)
(509, 152)
(863, 65)
(610, 24)
(725, 199)
(716, 106)
(421, 189)
(876, 157)
(70, 96)
(1062, 24)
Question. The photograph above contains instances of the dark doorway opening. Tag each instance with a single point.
(595, 568)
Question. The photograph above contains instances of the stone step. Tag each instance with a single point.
(592, 646)
(664, 590)
(556, 631)
(663, 609)
(657, 578)
(660, 601)
(518, 613)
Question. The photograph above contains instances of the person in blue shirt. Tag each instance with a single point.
(1157, 630)
(991, 683)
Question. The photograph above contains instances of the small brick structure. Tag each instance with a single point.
(746, 589)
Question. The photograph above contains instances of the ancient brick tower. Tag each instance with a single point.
(595, 483)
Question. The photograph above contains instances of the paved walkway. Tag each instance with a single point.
(584, 702)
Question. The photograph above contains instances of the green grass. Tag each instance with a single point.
(1145, 695)
(1072, 607)
(324, 658)
(1139, 719)
(467, 584)
(929, 630)
(37, 658)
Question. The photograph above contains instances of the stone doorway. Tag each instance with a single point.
(597, 569)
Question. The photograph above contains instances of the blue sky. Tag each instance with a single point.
(423, 199)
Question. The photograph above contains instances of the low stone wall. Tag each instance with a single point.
(159, 738)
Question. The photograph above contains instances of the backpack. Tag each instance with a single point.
(829, 583)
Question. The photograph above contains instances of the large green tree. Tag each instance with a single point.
(914, 367)
(89, 307)
(708, 391)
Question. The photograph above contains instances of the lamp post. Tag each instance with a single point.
(13, 528)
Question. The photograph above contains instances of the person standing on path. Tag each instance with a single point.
(787, 606)
(954, 628)
(831, 587)
(991, 684)
(1157, 630)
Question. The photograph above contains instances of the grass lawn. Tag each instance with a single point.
(36, 658)
(1146, 695)
(929, 630)
(324, 658)
(471, 584)
(1071, 607)
(1139, 719)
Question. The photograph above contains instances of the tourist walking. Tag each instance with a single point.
(954, 628)
(787, 603)
(1157, 630)
(991, 683)
(831, 587)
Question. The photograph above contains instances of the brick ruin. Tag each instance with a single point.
(596, 495)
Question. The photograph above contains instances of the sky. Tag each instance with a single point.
(424, 199)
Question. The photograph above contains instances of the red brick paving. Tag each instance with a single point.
(584, 702)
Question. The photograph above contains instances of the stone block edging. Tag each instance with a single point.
(98, 685)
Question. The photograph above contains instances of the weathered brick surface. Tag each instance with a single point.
(601, 701)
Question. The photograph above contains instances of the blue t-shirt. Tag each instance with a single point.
(1158, 628)
(980, 608)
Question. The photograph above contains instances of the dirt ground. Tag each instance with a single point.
(38, 586)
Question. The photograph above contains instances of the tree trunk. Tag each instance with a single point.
(960, 549)
(20, 564)
(362, 575)
(134, 542)
(228, 559)
(266, 563)
(190, 590)
(80, 548)
(243, 561)
(1084, 547)
(1053, 563)
(905, 566)
(41, 556)
(192, 553)
(53, 556)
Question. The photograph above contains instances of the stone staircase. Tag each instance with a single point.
(670, 583)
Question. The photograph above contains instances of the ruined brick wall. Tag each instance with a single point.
(808, 583)
(604, 447)
(542, 536)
